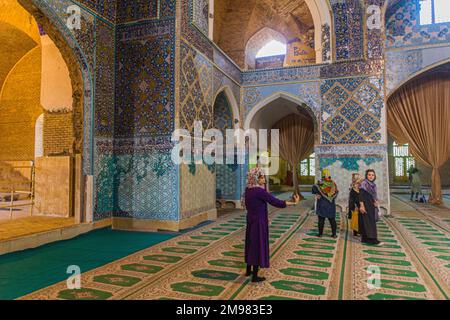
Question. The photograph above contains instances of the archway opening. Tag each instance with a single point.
(40, 154)
(265, 49)
(272, 48)
(240, 29)
(417, 117)
(297, 129)
(227, 175)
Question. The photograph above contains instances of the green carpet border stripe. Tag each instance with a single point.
(439, 226)
(420, 261)
(186, 261)
(341, 280)
(246, 282)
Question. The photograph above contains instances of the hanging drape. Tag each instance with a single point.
(296, 141)
(419, 114)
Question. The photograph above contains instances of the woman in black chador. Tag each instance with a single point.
(368, 208)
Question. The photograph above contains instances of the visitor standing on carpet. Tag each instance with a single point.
(416, 183)
(256, 199)
(369, 209)
(326, 192)
(353, 203)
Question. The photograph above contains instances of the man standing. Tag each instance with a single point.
(326, 192)
(415, 182)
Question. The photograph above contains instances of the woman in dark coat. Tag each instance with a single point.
(257, 232)
(368, 208)
(326, 192)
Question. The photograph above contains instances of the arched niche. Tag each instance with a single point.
(252, 117)
(226, 90)
(79, 72)
(257, 42)
(240, 50)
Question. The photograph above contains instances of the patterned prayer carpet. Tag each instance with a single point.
(207, 263)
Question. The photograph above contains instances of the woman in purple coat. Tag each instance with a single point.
(257, 233)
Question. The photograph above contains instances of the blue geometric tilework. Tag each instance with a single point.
(351, 110)
(195, 89)
(309, 93)
(251, 97)
(227, 182)
(135, 145)
(133, 10)
(352, 68)
(145, 79)
(168, 8)
(350, 150)
(326, 42)
(105, 8)
(375, 35)
(348, 23)
(104, 182)
(226, 174)
(193, 35)
(228, 67)
(85, 36)
(348, 163)
(403, 27)
(313, 72)
(200, 15)
(281, 75)
(135, 186)
(105, 82)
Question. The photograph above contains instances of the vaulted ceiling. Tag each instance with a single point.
(19, 34)
(236, 21)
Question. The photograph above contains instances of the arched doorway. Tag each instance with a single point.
(268, 114)
(43, 94)
(258, 42)
(417, 116)
(226, 117)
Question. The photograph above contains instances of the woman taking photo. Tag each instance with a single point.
(257, 233)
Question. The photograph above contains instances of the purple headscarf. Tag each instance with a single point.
(371, 188)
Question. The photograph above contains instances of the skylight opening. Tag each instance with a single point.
(272, 48)
(434, 11)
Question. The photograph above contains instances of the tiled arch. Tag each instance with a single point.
(79, 69)
(290, 97)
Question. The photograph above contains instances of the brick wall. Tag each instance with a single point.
(20, 107)
(58, 133)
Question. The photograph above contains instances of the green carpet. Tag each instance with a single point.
(29, 270)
